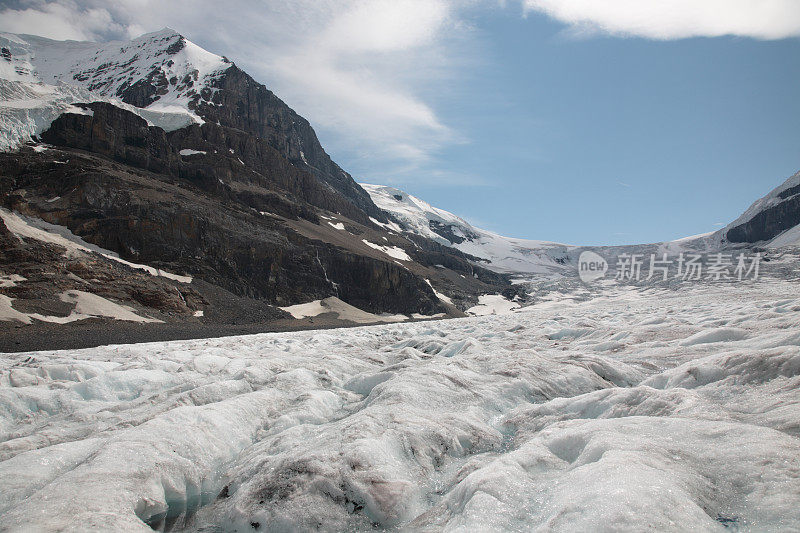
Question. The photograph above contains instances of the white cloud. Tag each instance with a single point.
(677, 19)
(61, 20)
(356, 71)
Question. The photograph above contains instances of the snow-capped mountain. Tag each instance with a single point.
(160, 76)
(174, 158)
(771, 222)
(502, 254)
(159, 71)
(165, 79)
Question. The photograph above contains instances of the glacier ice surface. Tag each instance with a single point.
(657, 409)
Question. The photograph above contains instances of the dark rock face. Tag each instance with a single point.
(170, 223)
(235, 164)
(377, 285)
(771, 222)
(236, 156)
(244, 104)
(237, 101)
(446, 231)
(116, 133)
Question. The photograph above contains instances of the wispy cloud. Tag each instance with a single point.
(676, 19)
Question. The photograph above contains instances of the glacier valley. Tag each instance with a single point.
(151, 184)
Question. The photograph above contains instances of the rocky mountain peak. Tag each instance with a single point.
(161, 70)
(176, 82)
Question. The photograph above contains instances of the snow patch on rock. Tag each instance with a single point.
(342, 311)
(24, 227)
(392, 251)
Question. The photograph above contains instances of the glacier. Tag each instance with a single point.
(608, 407)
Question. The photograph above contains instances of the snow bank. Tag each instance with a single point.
(189, 151)
(86, 305)
(442, 297)
(391, 251)
(10, 280)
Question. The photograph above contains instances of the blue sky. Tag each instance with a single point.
(606, 140)
(580, 121)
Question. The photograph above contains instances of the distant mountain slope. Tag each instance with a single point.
(773, 220)
(502, 254)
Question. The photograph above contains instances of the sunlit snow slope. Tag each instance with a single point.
(628, 409)
(41, 78)
(503, 254)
